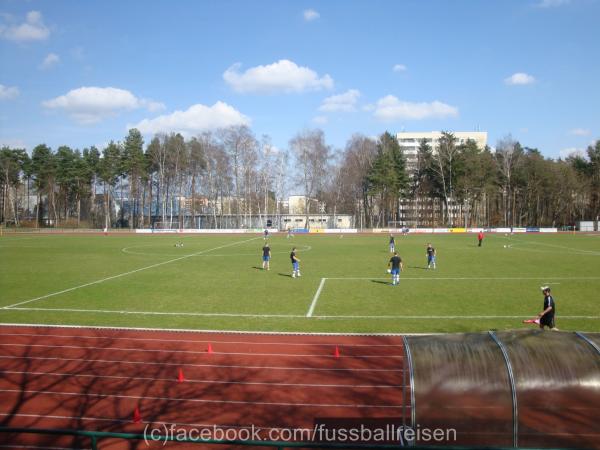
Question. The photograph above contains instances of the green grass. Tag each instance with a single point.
(220, 275)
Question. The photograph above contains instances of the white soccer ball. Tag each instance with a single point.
(389, 271)
(505, 246)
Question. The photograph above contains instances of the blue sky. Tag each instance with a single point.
(80, 73)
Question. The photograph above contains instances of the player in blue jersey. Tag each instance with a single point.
(396, 267)
(430, 256)
(266, 256)
(295, 264)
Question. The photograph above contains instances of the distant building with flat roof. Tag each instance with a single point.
(424, 211)
(410, 140)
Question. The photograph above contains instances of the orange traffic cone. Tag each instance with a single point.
(209, 350)
(336, 353)
(180, 377)
(137, 417)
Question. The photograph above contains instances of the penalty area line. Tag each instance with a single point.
(311, 309)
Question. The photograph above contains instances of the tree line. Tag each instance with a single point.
(230, 175)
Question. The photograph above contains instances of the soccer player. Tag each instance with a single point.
(480, 238)
(289, 233)
(295, 264)
(266, 234)
(546, 317)
(397, 267)
(266, 256)
(430, 256)
(392, 243)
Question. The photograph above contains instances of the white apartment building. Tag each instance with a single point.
(426, 211)
(410, 140)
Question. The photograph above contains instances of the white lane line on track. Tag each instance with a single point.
(155, 422)
(202, 341)
(205, 331)
(223, 366)
(194, 352)
(152, 266)
(197, 400)
(190, 380)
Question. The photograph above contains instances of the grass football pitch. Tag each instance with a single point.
(216, 282)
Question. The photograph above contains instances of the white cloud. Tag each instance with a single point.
(519, 78)
(89, 105)
(50, 61)
(152, 106)
(33, 29)
(368, 107)
(196, 119)
(282, 76)
(390, 108)
(345, 102)
(580, 132)
(552, 3)
(8, 92)
(571, 151)
(399, 68)
(320, 120)
(310, 15)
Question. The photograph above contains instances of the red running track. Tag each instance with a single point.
(94, 379)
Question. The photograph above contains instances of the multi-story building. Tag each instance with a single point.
(410, 141)
(425, 211)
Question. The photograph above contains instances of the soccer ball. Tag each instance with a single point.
(389, 271)
(505, 246)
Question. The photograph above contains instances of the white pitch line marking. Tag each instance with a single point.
(156, 313)
(445, 317)
(126, 273)
(222, 366)
(258, 383)
(197, 400)
(316, 298)
(194, 352)
(258, 316)
(467, 278)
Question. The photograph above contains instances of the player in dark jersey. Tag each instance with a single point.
(396, 267)
(295, 264)
(430, 256)
(266, 256)
(392, 243)
(546, 317)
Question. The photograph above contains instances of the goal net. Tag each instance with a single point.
(165, 226)
(397, 226)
